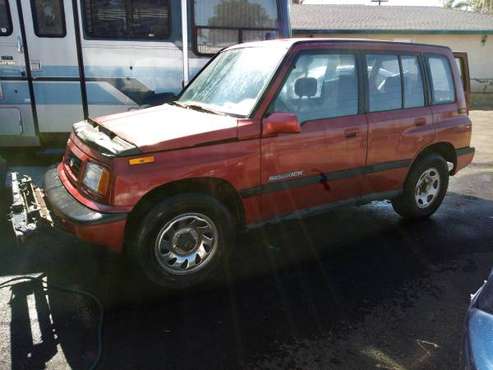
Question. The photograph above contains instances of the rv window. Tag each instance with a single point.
(48, 18)
(220, 23)
(127, 19)
(5, 23)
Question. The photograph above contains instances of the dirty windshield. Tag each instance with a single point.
(234, 81)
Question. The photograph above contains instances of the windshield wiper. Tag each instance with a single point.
(201, 108)
(174, 102)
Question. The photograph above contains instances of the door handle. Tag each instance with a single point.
(420, 121)
(350, 133)
(20, 47)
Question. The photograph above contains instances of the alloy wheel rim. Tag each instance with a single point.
(427, 188)
(186, 244)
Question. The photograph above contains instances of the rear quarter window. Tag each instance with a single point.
(442, 84)
(5, 21)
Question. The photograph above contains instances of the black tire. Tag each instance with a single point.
(406, 204)
(142, 249)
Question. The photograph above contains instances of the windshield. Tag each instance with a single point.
(234, 81)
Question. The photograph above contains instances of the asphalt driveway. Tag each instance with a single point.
(356, 288)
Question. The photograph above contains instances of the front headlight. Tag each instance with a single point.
(96, 178)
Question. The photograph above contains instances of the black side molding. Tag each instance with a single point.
(322, 177)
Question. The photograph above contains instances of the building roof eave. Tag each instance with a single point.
(390, 31)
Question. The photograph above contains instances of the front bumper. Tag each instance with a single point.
(61, 208)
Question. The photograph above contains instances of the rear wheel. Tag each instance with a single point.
(182, 241)
(424, 189)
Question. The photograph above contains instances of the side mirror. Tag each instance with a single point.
(280, 123)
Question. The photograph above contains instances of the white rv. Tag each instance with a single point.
(64, 60)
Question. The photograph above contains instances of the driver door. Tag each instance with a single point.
(320, 164)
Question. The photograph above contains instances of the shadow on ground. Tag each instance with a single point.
(288, 283)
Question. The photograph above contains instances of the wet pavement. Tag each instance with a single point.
(356, 288)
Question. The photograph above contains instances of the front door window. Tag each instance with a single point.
(320, 86)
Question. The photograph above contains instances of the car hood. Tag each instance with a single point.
(169, 127)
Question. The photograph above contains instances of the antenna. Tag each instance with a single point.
(379, 1)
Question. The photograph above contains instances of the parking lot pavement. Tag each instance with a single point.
(355, 288)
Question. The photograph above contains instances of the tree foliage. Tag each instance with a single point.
(455, 4)
(240, 13)
(482, 6)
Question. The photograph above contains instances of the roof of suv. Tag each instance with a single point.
(287, 43)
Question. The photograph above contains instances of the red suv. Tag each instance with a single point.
(267, 131)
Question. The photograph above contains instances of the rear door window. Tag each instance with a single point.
(442, 85)
(320, 86)
(5, 21)
(384, 82)
(48, 18)
(413, 82)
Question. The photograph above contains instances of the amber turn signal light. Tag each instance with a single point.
(141, 160)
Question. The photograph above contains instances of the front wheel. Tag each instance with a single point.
(182, 241)
(424, 189)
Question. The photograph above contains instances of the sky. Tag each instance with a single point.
(368, 2)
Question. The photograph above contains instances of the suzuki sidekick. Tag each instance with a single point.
(266, 131)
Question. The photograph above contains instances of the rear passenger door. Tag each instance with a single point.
(400, 123)
(318, 165)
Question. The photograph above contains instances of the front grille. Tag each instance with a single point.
(74, 164)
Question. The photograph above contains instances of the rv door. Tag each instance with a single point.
(52, 45)
(463, 64)
(17, 119)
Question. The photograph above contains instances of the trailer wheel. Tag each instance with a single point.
(182, 241)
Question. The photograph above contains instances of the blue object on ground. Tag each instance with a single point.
(478, 342)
